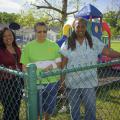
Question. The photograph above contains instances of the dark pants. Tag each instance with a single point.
(10, 96)
(49, 98)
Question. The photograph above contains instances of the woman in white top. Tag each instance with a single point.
(82, 50)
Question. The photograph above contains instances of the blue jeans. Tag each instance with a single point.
(85, 95)
(48, 98)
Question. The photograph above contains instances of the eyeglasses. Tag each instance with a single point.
(41, 31)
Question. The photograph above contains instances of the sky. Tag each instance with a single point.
(15, 6)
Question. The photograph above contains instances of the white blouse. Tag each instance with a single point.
(82, 56)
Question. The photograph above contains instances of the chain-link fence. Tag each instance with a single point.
(107, 92)
(12, 96)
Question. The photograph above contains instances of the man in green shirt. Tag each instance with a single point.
(45, 54)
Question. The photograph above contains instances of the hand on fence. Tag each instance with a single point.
(48, 68)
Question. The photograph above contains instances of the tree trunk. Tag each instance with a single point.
(64, 11)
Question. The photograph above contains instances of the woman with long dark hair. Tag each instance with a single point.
(10, 85)
(82, 50)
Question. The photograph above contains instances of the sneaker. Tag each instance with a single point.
(63, 109)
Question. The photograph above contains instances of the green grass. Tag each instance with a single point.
(107, 110)
(108, 102)
(22, 111)
(115, 45)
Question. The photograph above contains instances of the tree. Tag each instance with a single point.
(113, 17)
(63, 10)
(26, 19)
(6, 18)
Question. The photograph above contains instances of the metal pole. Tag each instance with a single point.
(32, 92)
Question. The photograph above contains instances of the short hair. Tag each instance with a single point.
(2, 45)
(40, 24)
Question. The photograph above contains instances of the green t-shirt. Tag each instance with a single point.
(44, 53)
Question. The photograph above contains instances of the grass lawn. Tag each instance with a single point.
(115, 45)
(22, 111)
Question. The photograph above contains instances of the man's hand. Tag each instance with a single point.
(48, 68)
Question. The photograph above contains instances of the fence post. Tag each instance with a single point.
(32, 91)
